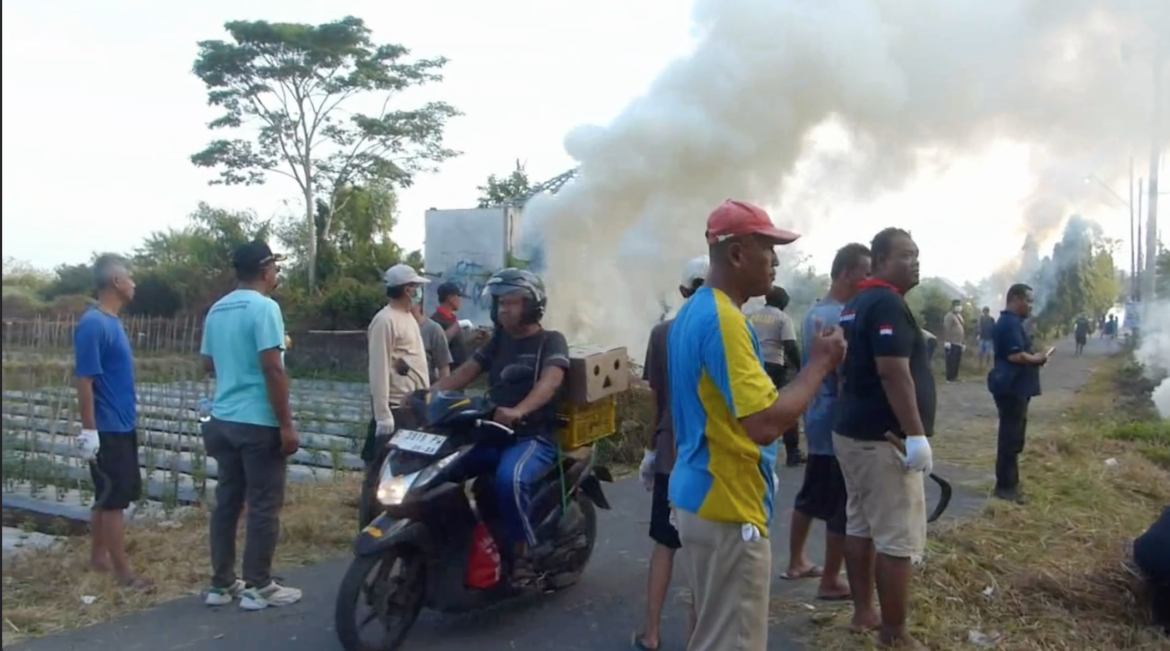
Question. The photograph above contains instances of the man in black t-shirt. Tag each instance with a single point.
(885, 413)
(530, 395)
(986, 335)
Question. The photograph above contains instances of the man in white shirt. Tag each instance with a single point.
(777, 336)
(393, 338)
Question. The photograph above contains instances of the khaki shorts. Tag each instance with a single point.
(885, 503)
(730, 582)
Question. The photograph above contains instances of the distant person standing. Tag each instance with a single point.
(822, 495)
(251, 433)
(986, 337)
(450, 302)
(106, 400)
(777, 336)
(1013, 382)
(1081, 333)
(953, 338)
(657, 464)
(887, 404)
(434, 344)
(1113, 326)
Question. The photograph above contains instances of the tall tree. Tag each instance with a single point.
(501, 190)
(299, 86)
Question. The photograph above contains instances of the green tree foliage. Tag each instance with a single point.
(299, 87)
(501, 190)
(1078, 278)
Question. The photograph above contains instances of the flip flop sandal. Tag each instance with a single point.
(837, 597)
(638, 645)
(813, 572)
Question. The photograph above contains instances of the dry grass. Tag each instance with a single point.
(44, 591)
(1050, 575)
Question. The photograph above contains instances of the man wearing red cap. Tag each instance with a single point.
(728, 415)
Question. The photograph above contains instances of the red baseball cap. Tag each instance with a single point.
(734, 218)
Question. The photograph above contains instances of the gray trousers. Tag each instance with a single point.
(252, 472)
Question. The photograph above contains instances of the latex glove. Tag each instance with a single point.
(465, 324)
(946, 345)
(646, 470)
(384, 427)
(918, 455)
(88, 444)
(775, 483)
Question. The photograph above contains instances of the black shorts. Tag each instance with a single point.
(117, 478)
(823, 495)
(661, 530)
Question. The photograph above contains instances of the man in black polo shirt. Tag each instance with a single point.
(450, 300)
(1013, 382)
(887, 405)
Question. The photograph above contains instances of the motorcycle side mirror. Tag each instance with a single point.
(516, 374)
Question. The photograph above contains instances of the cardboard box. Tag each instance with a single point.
(595, 373)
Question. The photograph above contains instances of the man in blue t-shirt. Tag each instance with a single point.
(250, 433)
(109, 409)
(823, 495)
(1013, 381)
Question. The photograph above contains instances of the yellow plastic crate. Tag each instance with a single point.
(588, 423)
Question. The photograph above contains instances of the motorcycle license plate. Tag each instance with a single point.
(420, 442)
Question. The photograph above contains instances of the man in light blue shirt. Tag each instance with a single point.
(250, 432)
(823, 496)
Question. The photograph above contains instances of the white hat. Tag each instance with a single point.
(696, 269)
(402, 274)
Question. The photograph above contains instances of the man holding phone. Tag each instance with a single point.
(1013, 381)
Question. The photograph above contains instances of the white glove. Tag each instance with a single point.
(918, 455)
(384, 427)
(775, 483)
(88, 444)
(646, 470)
(465, 324)
(946, 345)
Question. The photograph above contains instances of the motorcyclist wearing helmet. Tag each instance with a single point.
(526, 395)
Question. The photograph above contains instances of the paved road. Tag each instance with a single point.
(599, 613)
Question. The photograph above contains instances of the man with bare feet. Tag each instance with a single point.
(884, 415)
(109, 411)
(655, 471)
(823, 496)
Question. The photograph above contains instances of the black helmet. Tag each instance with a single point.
(511, 281)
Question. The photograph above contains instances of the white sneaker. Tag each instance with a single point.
(224, 596)
(273, 594)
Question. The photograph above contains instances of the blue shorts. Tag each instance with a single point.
(986, 347)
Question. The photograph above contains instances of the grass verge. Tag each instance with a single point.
(46, 591)
(1048, 576)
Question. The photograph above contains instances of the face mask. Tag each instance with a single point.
(417, 295)
(956, 310)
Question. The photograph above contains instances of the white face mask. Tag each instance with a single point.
(957, 309)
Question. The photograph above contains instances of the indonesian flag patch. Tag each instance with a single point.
(886, 330)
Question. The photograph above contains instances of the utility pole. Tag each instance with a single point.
(1149, 281)
(1133, 243)
(1141, 254)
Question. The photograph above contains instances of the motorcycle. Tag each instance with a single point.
(439, 541)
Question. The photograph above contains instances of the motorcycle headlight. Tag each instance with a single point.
(392, 489)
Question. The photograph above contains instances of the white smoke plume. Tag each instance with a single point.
(908, 83)
(1154, 351)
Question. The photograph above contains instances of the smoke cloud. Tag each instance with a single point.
(904, 85)
(1154, 351)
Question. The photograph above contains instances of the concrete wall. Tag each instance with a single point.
(466, 247)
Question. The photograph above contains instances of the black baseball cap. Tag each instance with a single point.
(449, 289)
(254, 255)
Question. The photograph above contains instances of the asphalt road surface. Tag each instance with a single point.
(600, 612)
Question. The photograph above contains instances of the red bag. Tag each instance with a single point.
(483, 568)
